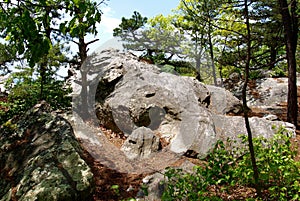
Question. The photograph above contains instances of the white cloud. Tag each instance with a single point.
(108, 22)
(106, 10)
(105, 29)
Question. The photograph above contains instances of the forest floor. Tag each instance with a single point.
(129, 184)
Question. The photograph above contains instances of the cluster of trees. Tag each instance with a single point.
(35, 43)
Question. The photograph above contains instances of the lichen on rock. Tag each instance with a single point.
(40, 159)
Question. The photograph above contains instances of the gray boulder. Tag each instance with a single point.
(271, 92)
(40, 159)
(154, 184)
(152, 187)
(183, 112)
(142, 96)
(223, 102)
(141, 143)
(232, 126)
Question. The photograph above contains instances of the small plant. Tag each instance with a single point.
(144, 188)
(184, 186)
(227, 167)
(255, 74)
(278, 72)
(116, 189)
(279, 172)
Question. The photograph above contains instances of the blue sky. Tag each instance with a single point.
(116, 9)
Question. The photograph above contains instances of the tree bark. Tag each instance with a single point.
(273, 55)
(211, 51)
(44, 64)
(290, 25)
(244, 97)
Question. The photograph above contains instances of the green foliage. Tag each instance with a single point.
(228, 167)
(228, 70)
(25, 93)
(130, 25)
(34, 30)
(255, 74)
(7, 55)
(31, 26)
(279, 172)
(168, 69)
(179, 67)
(278, 72)
(156, 38)
(186, 71)
(116, 189)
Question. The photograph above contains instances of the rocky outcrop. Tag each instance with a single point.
(134, 94)
(180, 110)
(268, 92)
(40, 159)
(266, 96)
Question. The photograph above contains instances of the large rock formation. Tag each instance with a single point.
(180, 110)
(40, 159)
(132, 94)
(233, 126)
(223, 102)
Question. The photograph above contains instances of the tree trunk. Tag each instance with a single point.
(43, 68)
(290, 25)
(44, 63)
(82, 46)
(84, 82)
(273, 55)
(211, 51)
(198, 65)
(244, 97)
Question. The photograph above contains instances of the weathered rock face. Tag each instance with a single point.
(141, 143)
(269, 92)
(184, 112)
(265, 91)
(262, 92)
(232, 126)
(265, 96)
(40, 159)
(223, 102)
(141, 95)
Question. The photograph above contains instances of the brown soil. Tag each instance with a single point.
(106, 178)
(129, 184)
(4, 99)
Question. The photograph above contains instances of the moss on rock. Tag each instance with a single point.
(40, 159)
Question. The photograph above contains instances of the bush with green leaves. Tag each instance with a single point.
(255, 74)
(228, 166)
(278, 72)
(24, 93)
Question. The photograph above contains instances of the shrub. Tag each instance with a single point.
(228, 167)
(255, 74)
(25, 94)
(278, 72)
